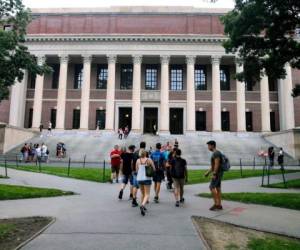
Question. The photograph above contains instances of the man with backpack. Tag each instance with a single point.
(179, 174)
(158, 160)
(219, 163)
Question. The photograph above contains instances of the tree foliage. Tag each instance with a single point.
(14, 55)
(262, 34)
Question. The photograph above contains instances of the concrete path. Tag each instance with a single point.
(95, 219)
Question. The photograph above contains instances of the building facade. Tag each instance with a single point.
(148, 68)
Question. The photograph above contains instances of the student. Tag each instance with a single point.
(49, 128)
(216, 170)
(115, 156)
(144, 181)
(271, 155)
(179, 175)
(280, 158)
(120, 132)
(41, 127)
(158, 160)
(171, 156)
(127, 161)
(136, 156)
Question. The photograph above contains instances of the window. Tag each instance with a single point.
(151, 77)
(100, 119)
(225, 121)
(272, 121)
(176, 78)
(31, 81)
(200, 120)
(102, 74)
(30, 118)
(76, 119)
(55, 75)
(249, 122)
(225, 78)
(53, 117)
(272, 84)
(126, 76)
(249, 85)
(200, 78)
(78, 77)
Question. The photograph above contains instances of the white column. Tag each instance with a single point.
(216, 93)
(288, 99)
(18, 102)
(281, 101)
(190, 101)
(265, 104)
(38, 96)
(240, 100)
(136, 94)
(110, 93)
(62, 92)
(85, 92)
(164, 95)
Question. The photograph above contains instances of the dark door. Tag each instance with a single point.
(150, 120)
(125, 117)
(272, 121)
(30, 117)
(200, 120)
(225, 121)
(53, 117)
(249, 122)
(176, 120)
(76, 119)
(100, 119)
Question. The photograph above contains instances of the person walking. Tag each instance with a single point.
(171, 156)
(120, 132)
(41, 127)
(115, 156)
(144, 178)
(49, 128)
(280, 158)
(217, 173)
(179, 174)
(127, 162)
(158, 176)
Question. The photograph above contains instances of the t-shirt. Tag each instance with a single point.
(116, 161)
(178, 169)
(215, 155)
(158, 159)
(127, 162)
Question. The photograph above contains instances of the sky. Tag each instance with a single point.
(107, 3)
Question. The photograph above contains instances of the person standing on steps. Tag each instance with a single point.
(115, 156)
(144, 179)
(158, 160)
(127, 161)
(216, 170)
(179, 174)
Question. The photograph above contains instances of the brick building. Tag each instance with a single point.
(144, 67)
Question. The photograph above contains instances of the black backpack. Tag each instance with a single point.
(178, 168)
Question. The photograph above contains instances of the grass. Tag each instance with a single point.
(96, 174)
(12, 192)
(290, 184)
(273, 243)
(284, 200)
(5, 229)
(3, 177)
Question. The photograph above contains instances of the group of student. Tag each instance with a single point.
(141, 168)
(34, 152)
(123, 132)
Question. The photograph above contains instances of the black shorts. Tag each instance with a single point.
(215, 183)
(158, 176)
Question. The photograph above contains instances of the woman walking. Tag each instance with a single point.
(145, 169)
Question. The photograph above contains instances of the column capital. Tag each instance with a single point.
(165, 59)
(215, 59)
(111, 58)
(190, 59)
(87, 58)
(137, 59)
(64, 58)
(41, 59)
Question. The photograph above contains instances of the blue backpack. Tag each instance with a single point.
(225, 163)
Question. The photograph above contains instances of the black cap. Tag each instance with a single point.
(213, 143)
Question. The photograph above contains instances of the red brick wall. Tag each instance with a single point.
(296, 80)
(126, 24)
(4, 111)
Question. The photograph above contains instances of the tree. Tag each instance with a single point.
(263, 34)
(14, 55)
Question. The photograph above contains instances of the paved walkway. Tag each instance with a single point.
(95, 219)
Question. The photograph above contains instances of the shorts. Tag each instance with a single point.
(115, 169)
(215, 183)
(158, 176)
(146, 183)
(135, 183)
(127, 178)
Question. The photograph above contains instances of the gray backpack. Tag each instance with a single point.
(225, 163)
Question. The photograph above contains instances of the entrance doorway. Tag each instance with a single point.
(176, 121)
(53, 118)
(100, 119)
(125, 117)
(225, 121)
(150, 120)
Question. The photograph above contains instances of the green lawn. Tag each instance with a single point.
(12, 192)
(284, 200)
(290, 184)
(96, 174)
(273, 243)
(5, 229)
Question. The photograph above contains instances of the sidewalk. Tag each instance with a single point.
(95, 219)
